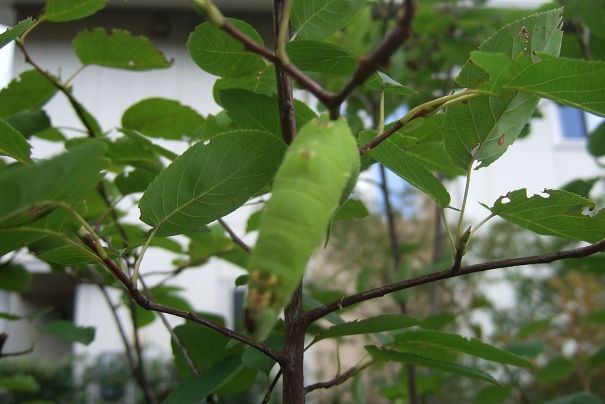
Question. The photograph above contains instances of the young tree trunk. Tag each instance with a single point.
(294, 381)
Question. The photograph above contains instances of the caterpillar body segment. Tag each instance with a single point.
(321, 163)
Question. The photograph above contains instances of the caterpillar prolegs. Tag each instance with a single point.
(321, 165)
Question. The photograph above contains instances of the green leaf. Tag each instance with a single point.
(560, 214)
(68, 331)
(125, 151)
(197, 388)
(556, 370)
(163, 118)
(318, 19)
(384, 322)
(9, 316)
(134, 181)
(576, 398)
(597, 359)
(68, 10)
(68, 255)
(52, 180)
(482, 128)
(256, 111)
(14, 278)
(13, 33)
(529, 349)
(596, 141)
(591, 13)
(387, 355)
(211, 180)
(536, 33)
(493, 395)
(53, 226)
(382, 82)
(13, 143)
(217, 52)
(30, 91)
(119, 50)
(461, 344)
(402, 163)
(30, 122)
(20, 383)
(321, 57)
(351, 209)
(574, 82)
(148, 144)
(439, 321)
(262, 82)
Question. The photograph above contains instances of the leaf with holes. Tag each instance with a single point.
(561, 214)
(118, 49)
(482, 128)
(218, 53)
(318, 19)
(211, 180)
(68, 10)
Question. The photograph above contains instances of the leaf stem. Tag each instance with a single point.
(447, 229)
(464, 202)
(481, 223)
(427, 108)
(137, 264)
(284, 28)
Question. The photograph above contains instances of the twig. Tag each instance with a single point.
(188, 359)
(336, 305)
(236, 239)
(338, 379)
(149, 304)
(267, 396)
(379, 57)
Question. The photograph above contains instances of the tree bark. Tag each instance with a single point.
(293, 364)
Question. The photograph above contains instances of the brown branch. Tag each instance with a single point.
(381, 138)
(302, 79)
(336, 305)
(234, 236)
(379, 57)
(149, 304)
(78, 108)
(338, 379)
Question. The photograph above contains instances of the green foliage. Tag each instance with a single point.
(13, 33)
(30, 91)
(218, 53)
(68, 331)
(210, 180)
(384, 322)
(13, 144)
(68, 10)
(159, 117)
(14, 278)
(560, 214)
(318, 19)
(118, 49)
(386, 355)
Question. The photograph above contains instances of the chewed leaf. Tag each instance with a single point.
(13, 33)
(561, 214)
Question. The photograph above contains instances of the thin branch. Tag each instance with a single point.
(140, 369)
(379, 57)
(149, 304)
(338, 379)
(267, 396)
(336, 305)
(234, 236)
(177, 341)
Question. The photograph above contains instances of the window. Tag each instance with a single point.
(573, 123)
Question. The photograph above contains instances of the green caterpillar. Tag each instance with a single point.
(318, 170)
